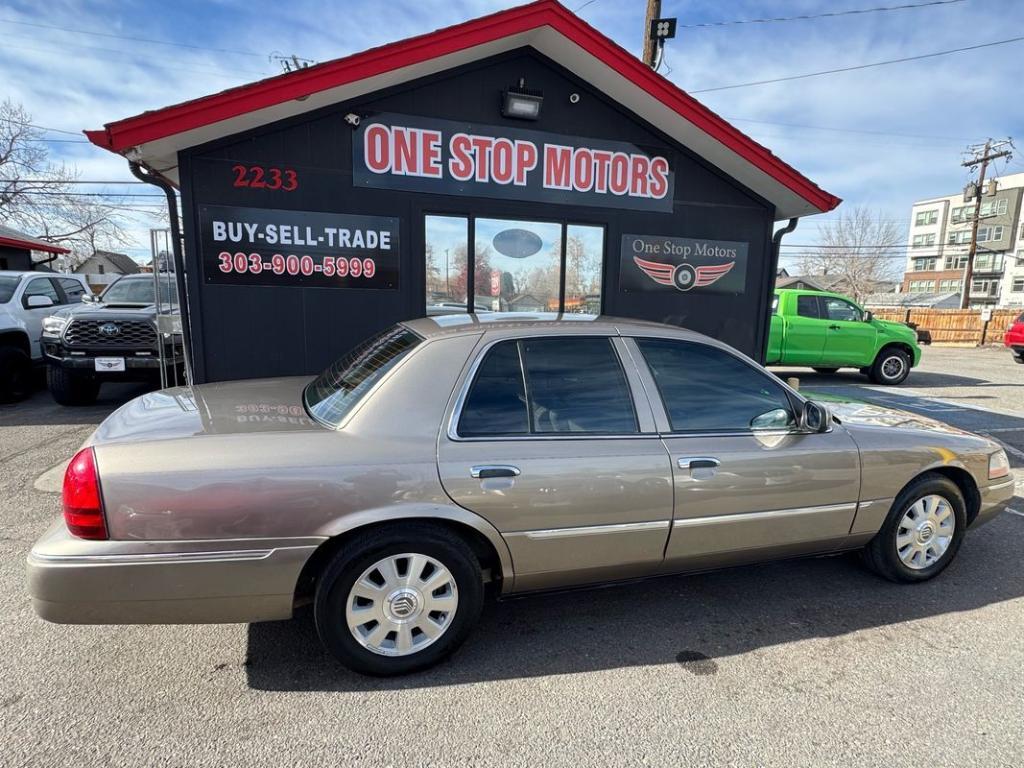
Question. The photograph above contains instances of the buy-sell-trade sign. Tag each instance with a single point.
(418, 154)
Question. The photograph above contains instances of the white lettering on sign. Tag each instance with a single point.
(404, 151)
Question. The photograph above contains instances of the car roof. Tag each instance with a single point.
(465, 323)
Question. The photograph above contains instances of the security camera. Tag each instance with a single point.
(574, 98)
(352, 119)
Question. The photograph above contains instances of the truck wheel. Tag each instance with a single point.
(70, 388)
(826, 370)
(15, 374)
(892, 366)
(398, 599)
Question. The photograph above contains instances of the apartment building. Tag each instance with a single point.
(939, 240)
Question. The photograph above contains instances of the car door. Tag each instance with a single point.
(37, 286)
(806, 333)
(850, 340)
(552, 440)
(749, 484)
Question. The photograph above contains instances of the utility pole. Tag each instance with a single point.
(980, 157)
(650, 46)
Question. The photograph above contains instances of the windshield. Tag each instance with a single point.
(7, 285)
(341, 386)
(139, 290)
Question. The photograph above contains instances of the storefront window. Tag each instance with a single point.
(517, 266)
(447, 264)
(584, 255)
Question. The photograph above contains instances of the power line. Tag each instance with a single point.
(849, 130)
(64, 181)
(136, 56)
(830, 14)
(40, 127)
(860, 66)
(132, 38)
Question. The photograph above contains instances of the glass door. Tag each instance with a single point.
(511, 265)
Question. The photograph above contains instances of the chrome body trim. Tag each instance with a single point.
(158, 557)
(769, 514)
(594, 530)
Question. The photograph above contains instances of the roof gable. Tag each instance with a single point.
(154, 138)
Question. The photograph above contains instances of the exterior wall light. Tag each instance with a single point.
(521, 103)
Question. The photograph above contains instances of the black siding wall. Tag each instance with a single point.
(243, 332)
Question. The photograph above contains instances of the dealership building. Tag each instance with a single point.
(519, 162)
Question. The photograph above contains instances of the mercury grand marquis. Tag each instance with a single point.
(458, 456)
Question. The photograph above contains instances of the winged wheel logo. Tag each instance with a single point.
(683, 277)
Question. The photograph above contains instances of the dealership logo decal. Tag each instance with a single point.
(684, 276)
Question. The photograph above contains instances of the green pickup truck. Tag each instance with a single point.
(827, 331)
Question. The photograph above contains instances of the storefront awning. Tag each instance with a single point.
(155, 138)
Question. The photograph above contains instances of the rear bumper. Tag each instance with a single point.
(73, 581)
(994, 499)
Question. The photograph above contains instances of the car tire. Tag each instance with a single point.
(826, 370)
(908, 551)
(437, 554)
(15, 374)
(1018, 357)
(70, 388)
(891, 367)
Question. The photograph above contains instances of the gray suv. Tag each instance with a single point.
(112, 337)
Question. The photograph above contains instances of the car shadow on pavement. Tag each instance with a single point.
(41, 409)
(691, 624)
(917, 378)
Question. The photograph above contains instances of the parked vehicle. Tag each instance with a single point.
(110, 337)
(1014, 339)
(456, 454)
(25, 299)
(828, 331)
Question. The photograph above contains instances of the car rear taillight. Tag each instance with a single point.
(83, 506)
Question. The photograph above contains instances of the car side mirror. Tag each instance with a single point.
(868, 316)
(815, 418)
(89, 298)
(38, 302)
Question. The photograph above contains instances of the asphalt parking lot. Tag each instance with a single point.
(805, 663)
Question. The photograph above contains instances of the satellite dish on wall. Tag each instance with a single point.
(517, 243)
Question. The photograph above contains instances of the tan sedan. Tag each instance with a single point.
(456, 455)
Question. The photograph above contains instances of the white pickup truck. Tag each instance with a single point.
(25, 299)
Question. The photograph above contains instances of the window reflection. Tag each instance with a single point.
(584, 255)
(518, 265)
(446, 256)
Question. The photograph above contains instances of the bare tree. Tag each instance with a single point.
(37, 195)
(860, 247)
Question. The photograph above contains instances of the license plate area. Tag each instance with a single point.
(108, 364)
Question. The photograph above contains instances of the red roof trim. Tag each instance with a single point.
(158, 124)
(32, 245)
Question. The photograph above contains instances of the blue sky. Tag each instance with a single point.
(879, 137)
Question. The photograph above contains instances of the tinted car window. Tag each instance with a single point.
(41, 286)
(572, 386)
(496, 404)
(8, 283)
(706, 389)
(73, 290)
(130, 291)
(576, 385)
(837, 309)
(807, 306)
(341, 386)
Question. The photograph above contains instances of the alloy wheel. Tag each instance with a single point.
(401, 604)
(925, 532)
(892, 367)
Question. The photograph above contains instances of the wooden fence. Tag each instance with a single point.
(953, 326)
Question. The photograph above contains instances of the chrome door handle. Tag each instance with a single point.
(698, 462)
(484, 471)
